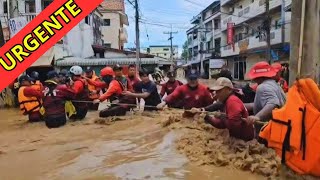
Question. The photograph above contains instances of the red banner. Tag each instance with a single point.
(230, 32)
(40, 35)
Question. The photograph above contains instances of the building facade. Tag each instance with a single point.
(113, 27)
(204, 38)
(249, 44)
(163, 51)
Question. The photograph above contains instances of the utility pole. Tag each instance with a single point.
(283, 23)
(267, 26)
(171, 44)
(138, 63)
(305, 40)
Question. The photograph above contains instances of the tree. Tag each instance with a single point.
(185, 53)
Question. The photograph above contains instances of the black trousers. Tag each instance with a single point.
(81, 114)
(55, 122)
(93, 107)
(35, 117)
(114, 111)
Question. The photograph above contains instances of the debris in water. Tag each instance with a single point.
(205, 145)
(28, 150)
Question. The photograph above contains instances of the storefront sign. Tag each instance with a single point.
(216, 63)
(16, 24)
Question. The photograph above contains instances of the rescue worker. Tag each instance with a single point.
(29, 99)
(63, 77)
(170, 85)
(80, 88)
(114, 93)
(117, 69)
(55, 96)
(94, 92)
(269, 94)
(234, 109)
(282, 82)
(192, 95)
(147, 90)
(132, 75)
(35, 79)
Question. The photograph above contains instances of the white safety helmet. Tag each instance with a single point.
(76, 70)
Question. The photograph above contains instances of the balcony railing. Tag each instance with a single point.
(253, 10)
(252, 42)
(223, 2)
(29, 16)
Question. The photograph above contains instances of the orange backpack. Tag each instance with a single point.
(294, 131)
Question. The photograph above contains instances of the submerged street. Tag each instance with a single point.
(137, 148)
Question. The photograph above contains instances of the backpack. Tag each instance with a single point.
(294, 129)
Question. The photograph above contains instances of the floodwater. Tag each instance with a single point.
(135, 147)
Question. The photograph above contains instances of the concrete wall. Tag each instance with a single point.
(161, 52)
(111, 33)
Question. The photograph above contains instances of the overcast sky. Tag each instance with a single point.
(163, 13)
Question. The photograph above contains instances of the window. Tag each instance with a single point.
(106, 22)
(46, 3)
(165, 54)
(252, 1)
(5, 7)
(165, 49)
(30, 6)
(217, 24)
(278, 24)
(107, 45)
(239, 70)
(86, 20)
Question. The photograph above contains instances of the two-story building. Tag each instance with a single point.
(249, 38)
(114, 21)
(204, 38)
(163, 51)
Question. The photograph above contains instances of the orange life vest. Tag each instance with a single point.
(28, 104)
(294, 129)
(92, 88)
(37, 85)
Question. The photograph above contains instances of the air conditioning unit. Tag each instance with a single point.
(231, 10)
(245, 30)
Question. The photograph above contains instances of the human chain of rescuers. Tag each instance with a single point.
(244, 111)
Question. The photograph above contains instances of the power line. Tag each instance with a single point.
(192, 2)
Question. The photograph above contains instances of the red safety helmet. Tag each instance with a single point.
(107, 71)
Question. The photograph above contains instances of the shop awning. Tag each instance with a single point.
(45, 60)
(71, 61)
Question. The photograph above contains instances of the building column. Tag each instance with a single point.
(38, 6)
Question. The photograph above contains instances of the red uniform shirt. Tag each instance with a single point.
(235, 111)
(169, 87)
(133, 81)
(283, 84)
(55, 103)
(197, 98)
(31, 92)
(116, 87)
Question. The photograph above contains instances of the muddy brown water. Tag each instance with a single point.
(136, 148)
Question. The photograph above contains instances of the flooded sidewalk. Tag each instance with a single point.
(135, 148)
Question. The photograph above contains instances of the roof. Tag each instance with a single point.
(163, 46)
(98, 48)
(71, 61)
(45, 60)
(113, 5)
